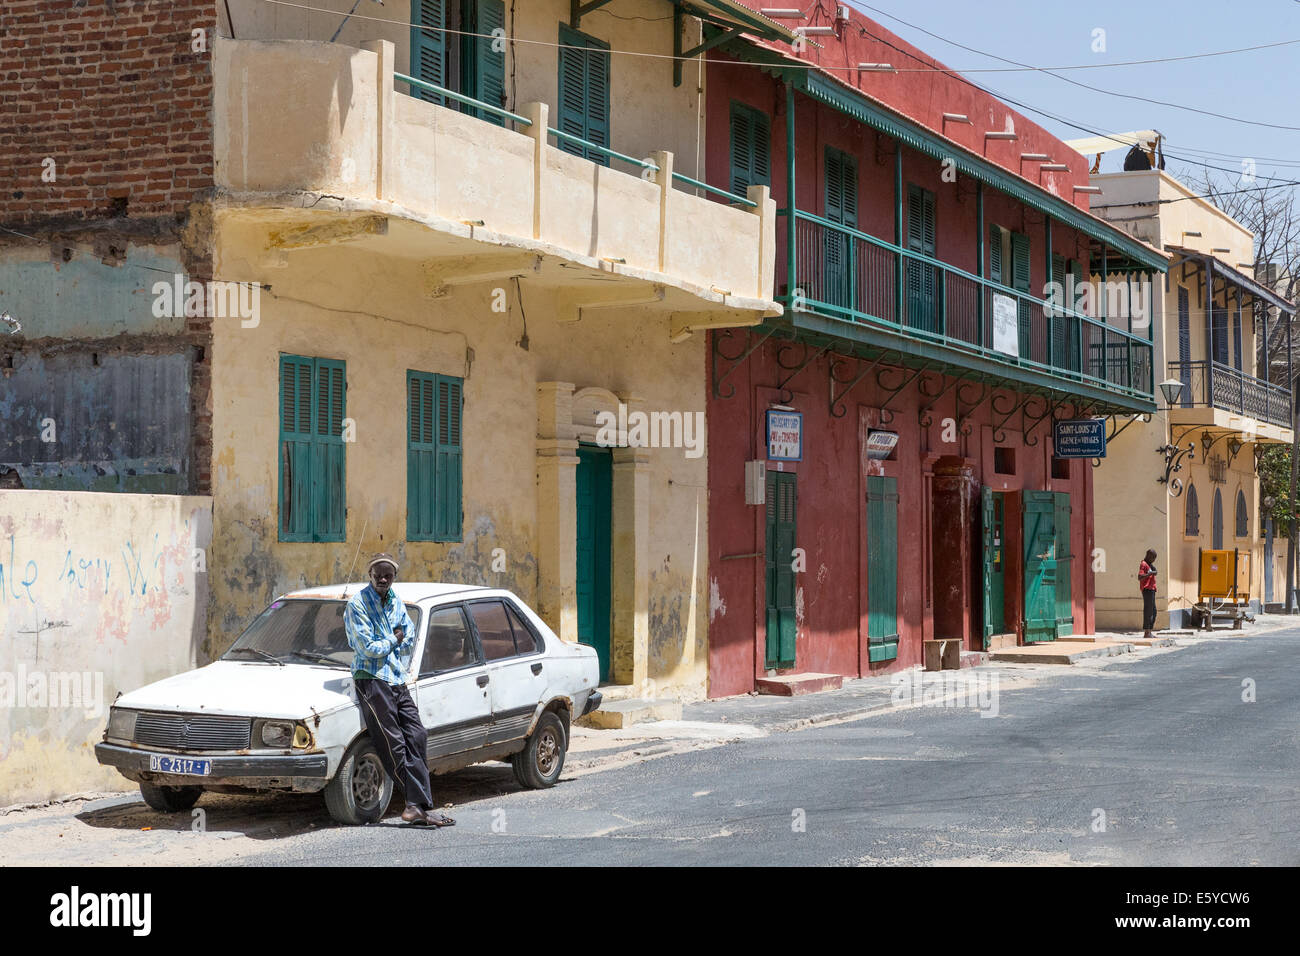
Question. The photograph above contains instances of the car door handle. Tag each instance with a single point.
(482, 680)
(537, 668)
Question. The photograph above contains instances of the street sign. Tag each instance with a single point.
(784, 435)
(1080, 438)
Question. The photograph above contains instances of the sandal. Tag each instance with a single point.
(437, 819)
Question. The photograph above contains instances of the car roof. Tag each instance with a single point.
(405, 590)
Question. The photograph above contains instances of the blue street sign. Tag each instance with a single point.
(1080, 438)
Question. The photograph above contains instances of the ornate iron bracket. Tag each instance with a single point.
(999, 435)
(753, 340)
(923, 415)
(1027, 429)
(1174, 462)
(794, 370)
(964, 423)
(849, 384)
(887, 416)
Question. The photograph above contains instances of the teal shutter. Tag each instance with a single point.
(429, 46)
(447, 464)
(751, 143)
(921, 227)
(420, 454)
(329, 467)
(782, 624)
(487, 68)
(1064, 602)
(995, 255)
(1020, 282)
(841, 176)
(295, 499)
(1060, 324)
(583, 93)
(882, 568)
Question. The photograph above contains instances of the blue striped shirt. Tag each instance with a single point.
(370, 623)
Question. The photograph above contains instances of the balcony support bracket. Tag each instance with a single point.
(577, 9)
(571, 303)
(886, 414)
(1027, 432)
(923, 416)
(806, 358)
(864, 368)
(680, 55)
(442, 275)
(999, 433)
(964, 423)
(752, 342)
(682, 324)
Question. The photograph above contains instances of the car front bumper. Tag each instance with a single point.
(255, 771)
(593, 702)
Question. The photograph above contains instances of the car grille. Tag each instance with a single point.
(193, 731)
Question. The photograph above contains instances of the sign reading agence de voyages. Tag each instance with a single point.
(1080, 438)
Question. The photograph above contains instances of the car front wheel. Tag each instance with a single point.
(170, 799)
(539, 764)
(360, 791)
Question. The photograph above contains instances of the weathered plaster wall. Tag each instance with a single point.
(366, 304)
(99, 593)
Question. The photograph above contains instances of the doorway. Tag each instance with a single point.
(594, 506)
(782, 510)
(1038, 509)
(993, 510)
(1217, 542)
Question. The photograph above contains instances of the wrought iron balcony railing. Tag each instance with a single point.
(1210, 384)
(850, 275)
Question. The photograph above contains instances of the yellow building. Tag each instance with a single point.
(1185, 479)
(481, 257)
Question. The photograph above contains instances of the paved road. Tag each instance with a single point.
(1152, 759)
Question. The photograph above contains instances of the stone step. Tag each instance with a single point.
(974, 658)
(614, 715)
(796, 685)
(1059, 652)
(999, 641)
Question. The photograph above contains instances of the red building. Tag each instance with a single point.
(909, 484)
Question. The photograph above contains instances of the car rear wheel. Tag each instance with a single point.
(170, 799)
(360, 791)
(539, 764)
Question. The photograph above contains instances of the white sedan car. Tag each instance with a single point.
(278, 711)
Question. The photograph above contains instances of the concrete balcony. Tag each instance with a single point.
(1218, 396)
(473, 200)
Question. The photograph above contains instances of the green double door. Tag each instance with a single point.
(782, 507)
(1048, 612)
(594, 497)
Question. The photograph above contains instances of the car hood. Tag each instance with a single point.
(246, 689)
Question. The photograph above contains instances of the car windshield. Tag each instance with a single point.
(301, 631)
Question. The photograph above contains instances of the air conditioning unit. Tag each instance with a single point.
(755, 482)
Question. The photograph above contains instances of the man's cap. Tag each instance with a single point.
(382, 558)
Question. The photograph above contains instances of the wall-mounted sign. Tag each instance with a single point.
(1080, 438)
(880, 444)
(784, 435)
(1006, 325)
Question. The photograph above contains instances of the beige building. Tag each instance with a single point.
(474, 242)
(1185, 479)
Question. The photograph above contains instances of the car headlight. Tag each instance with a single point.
(277, 733)
(121, 724)
(301, 737)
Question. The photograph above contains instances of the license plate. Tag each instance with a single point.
(182, 765)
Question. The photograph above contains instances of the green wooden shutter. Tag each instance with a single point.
(1060, 325)
(583, 93)
(487, 69)
(1064, 602)
(882, 568)
(751, 143)
(447, 464)
(295, 500)
(420, 454)
(782, 510)
(1038, 510)
(429, 46)
(986, 564)
(1020, 261)
(329, 470)
(995, 255)
(922, 305)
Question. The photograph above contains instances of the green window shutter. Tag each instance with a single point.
(1020, 262)
(447, 463)
(295, 501)
(487, 70)
(1058, 271)
(995, 255)
(420, 454)
(751, 163)
(429, 46)
(583, 92)
(329, 472)
(782, 625)
(841, 188)
(915, 218)
(1064, 603)
(882, 568)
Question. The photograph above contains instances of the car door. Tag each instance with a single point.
(515, 667)
(452, 687)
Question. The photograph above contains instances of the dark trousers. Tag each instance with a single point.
(399, 737)
(1148, 610)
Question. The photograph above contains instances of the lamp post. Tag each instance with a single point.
(1171, 388)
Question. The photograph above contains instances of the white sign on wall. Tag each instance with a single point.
(784, 435)
(1006, 325)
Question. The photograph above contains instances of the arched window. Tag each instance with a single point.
(1192, 524)
(1243, 516)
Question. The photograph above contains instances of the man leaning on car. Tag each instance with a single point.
(380, 633)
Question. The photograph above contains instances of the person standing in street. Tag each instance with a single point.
(380, 634)
(1147, 584)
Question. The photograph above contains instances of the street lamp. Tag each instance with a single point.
(1171, 388)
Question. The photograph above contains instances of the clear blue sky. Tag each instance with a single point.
(1260, 85)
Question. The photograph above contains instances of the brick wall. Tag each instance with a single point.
(113, 92)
